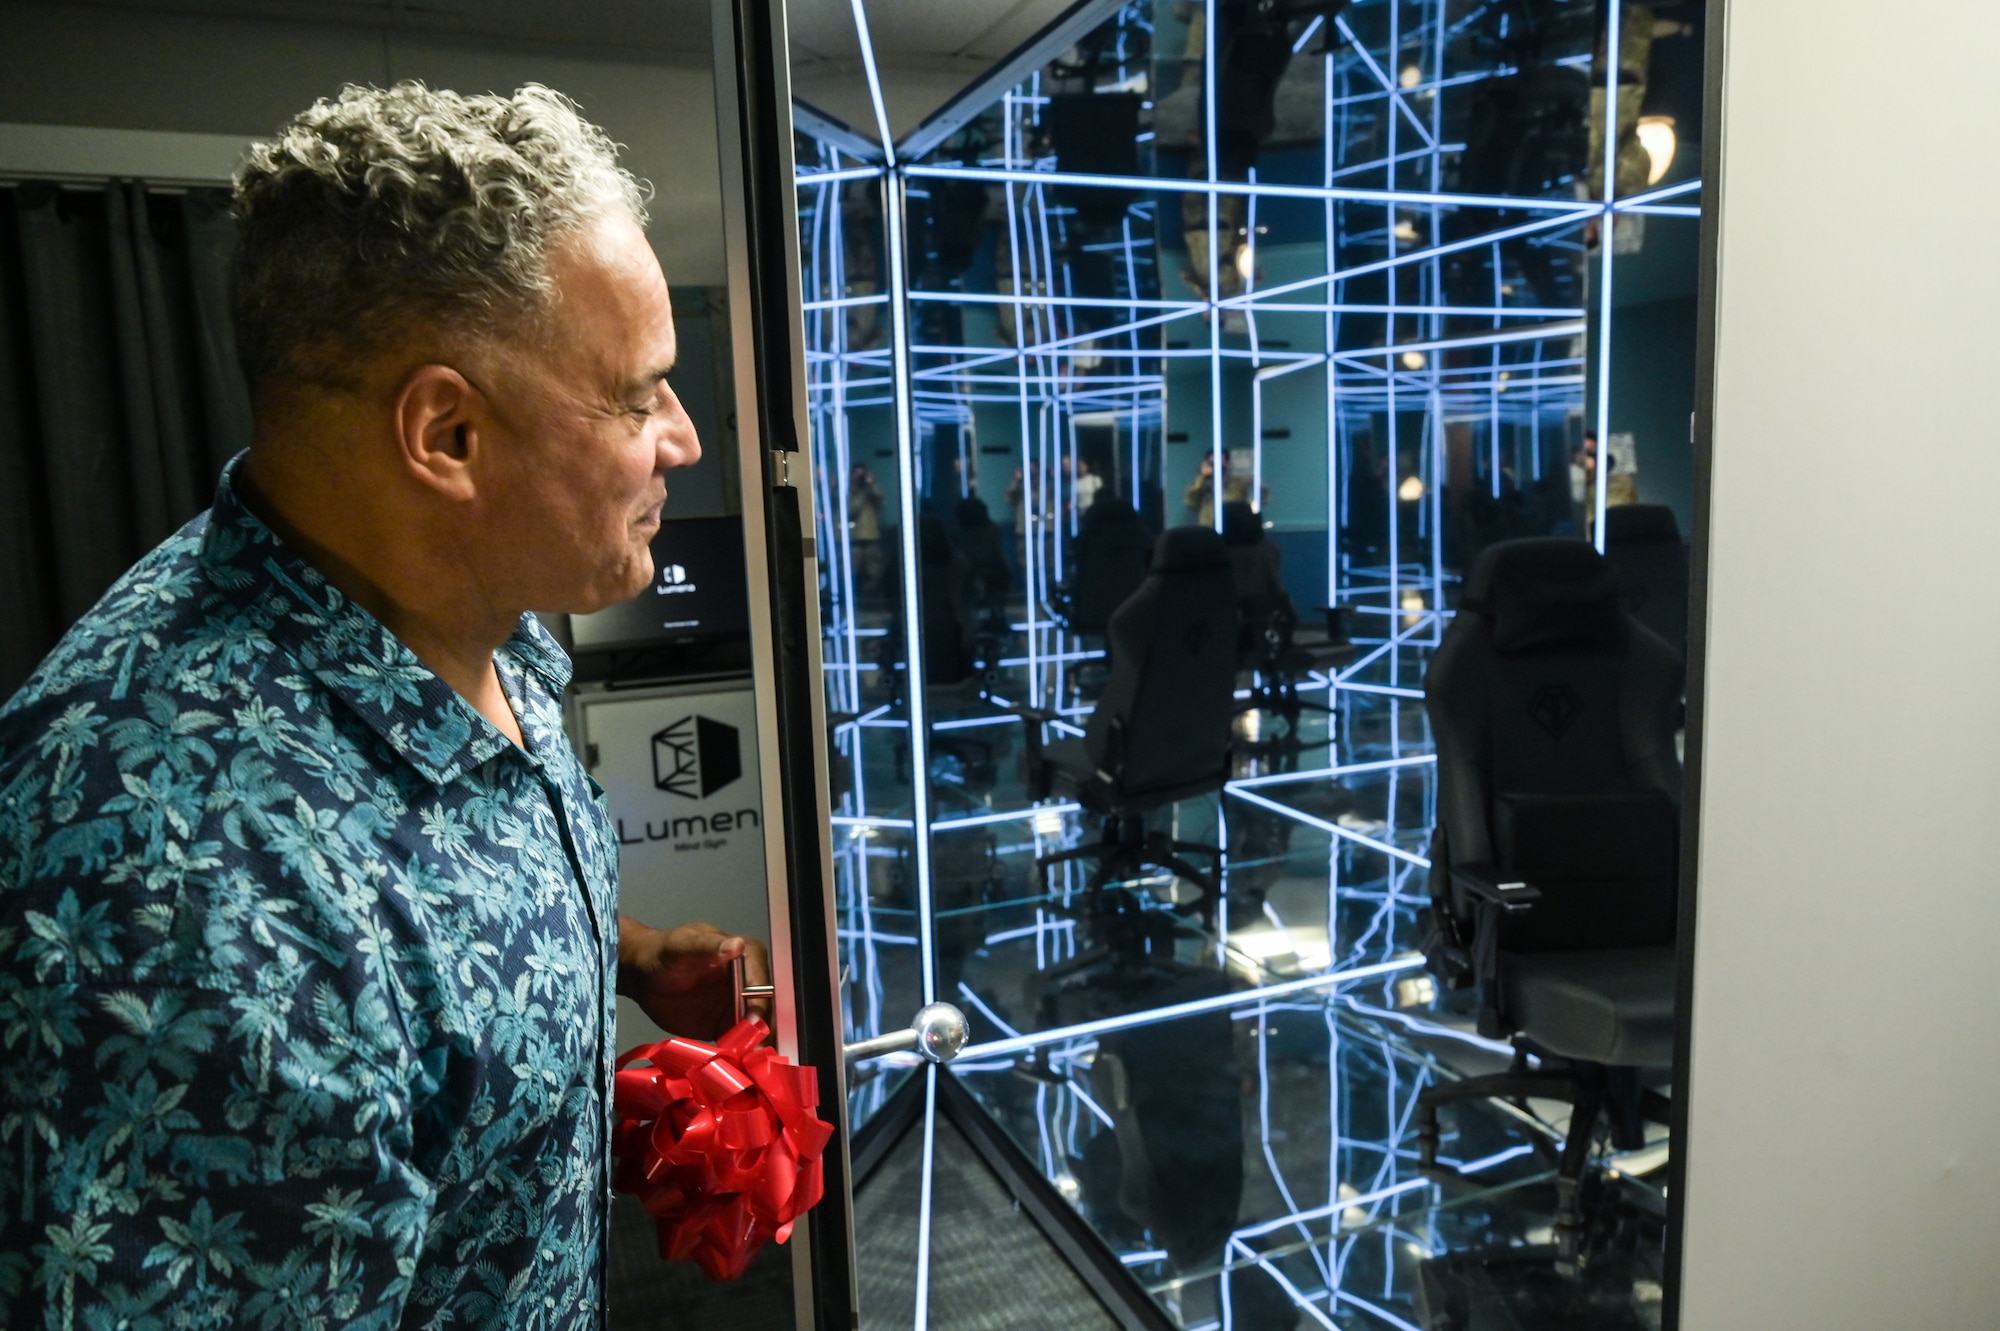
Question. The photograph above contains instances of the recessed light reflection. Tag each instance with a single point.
(1656, 136)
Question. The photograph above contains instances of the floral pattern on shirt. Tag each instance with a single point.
(305, 969)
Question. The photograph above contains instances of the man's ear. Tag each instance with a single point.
(439, 416)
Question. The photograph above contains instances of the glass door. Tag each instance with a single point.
(753, 115)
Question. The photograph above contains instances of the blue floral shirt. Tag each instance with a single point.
(305, 969)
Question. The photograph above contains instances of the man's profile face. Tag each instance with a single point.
(589, 428)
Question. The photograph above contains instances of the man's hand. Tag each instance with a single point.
(680, 977)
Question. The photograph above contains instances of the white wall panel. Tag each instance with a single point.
(1844, 1148)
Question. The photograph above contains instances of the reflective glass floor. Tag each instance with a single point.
(1225, 1095)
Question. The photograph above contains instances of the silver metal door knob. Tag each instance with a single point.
(935, 1034)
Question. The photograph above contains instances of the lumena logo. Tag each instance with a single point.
(673, 580)
(695, 757)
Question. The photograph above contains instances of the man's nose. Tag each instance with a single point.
(680, 446)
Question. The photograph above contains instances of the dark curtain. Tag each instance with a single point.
(120, 397)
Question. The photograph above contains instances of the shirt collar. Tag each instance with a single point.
(537, 649)
(420, 717)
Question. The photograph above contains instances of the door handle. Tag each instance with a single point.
(935, 1034)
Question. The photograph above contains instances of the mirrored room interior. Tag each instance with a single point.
(1250, 448)
(1265, 322)
(1250, 557)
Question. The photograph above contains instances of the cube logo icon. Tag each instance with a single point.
(695, 757)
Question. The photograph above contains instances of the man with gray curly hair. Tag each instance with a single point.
(308, 914)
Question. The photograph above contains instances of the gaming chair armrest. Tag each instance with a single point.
(1486, 884)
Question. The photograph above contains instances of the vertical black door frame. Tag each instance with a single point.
(760, 218)
(1703, 427)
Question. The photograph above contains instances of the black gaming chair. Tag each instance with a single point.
(1169, 1174)
(980, 540)
(946, 601)
(960, 656)
(1643, 543)
(1107, 564)
(1267, 641)
(1160, 731)
(1260, 587)
(1554, 867)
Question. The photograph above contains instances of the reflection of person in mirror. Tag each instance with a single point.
(1024, 491)
(1084, 486)
(1621, 483)
(1199, 500)
(311, 939)
(865, 501)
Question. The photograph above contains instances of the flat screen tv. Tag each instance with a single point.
(699, 593)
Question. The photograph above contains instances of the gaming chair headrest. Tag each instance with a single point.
(1240, 523)
(1188, 550)
(1109, 511)
(1634, 524)
(934, 540)
(1546, 593)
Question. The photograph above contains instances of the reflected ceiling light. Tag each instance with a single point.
(1406, 231)
(1261, 942)
(1417, 991)
(1048, 822)
(1246, 262)
(1410, 491)
(1410, 77)
(1413, 360)
(1656, 136)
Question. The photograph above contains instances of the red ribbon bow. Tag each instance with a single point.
(720, 1142)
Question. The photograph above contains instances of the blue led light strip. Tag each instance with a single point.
(1299, 815)
(1021, 1044)
(1573, 208)
(1607, 219)
(874, 81)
